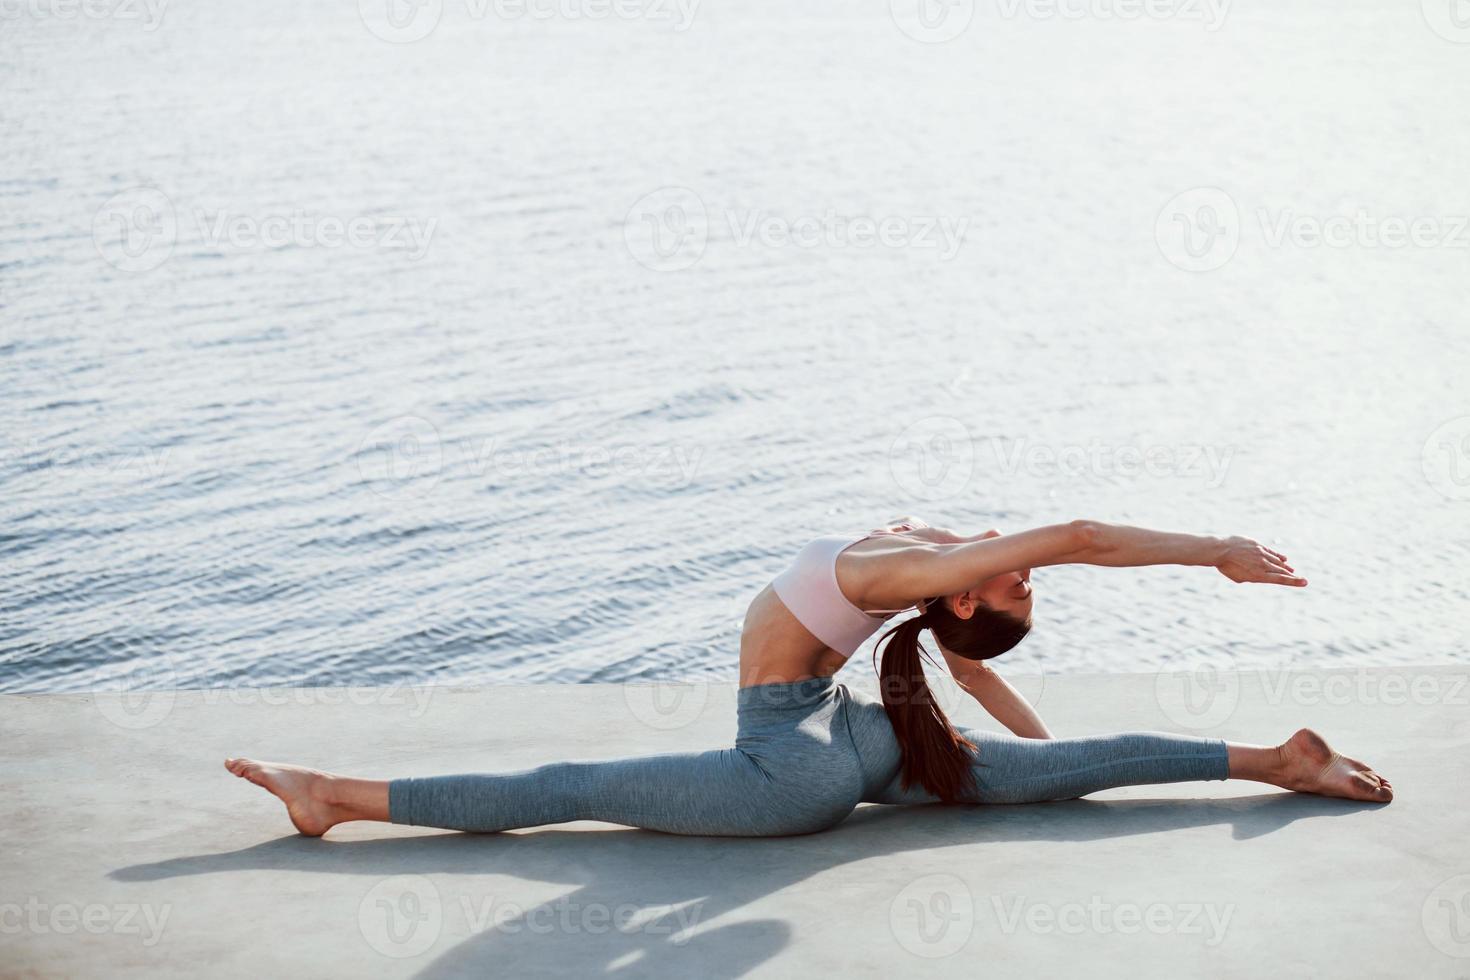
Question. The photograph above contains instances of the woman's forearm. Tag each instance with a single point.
(1118, 546)
(1238, 559)
(1003, 702)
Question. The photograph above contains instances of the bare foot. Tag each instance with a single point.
(1311, 766)
(304, 791)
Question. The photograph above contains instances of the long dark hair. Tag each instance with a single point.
(934, 754)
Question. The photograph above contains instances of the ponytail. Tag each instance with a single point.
(934, 754)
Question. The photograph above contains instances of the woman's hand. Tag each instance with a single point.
(1244, 560)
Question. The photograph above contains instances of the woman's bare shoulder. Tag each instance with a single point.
(942, 535)
(868, 571)
(918, 529)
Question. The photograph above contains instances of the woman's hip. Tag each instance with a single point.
(815, 738)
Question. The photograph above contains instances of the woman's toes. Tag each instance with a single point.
(1374, 777)
(248, 770)
(1372, 789)
(1367, 770)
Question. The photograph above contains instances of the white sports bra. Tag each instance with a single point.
(809, 589)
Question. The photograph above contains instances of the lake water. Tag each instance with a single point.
(529, 350)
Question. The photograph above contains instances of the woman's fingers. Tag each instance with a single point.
(1280, 578)
(1277, 565)
(1274, 560)
(1277, 555)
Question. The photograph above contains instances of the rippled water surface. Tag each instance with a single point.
(530, 350)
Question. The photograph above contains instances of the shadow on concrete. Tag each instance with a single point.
(696, 879)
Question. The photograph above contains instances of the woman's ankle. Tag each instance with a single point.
(354, 799)
(1261, 763)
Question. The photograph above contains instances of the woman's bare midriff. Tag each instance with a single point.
(776, 649)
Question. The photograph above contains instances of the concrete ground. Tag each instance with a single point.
(129, 850)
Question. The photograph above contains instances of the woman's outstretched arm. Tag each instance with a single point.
(1002, 701)
(945, 569)
(1238, 559)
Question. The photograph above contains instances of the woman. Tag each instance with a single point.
(808, 750)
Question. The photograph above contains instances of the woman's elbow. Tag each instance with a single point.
(1084, 536)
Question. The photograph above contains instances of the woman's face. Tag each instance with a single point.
(1008, 593)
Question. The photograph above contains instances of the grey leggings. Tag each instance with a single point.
(806, 753)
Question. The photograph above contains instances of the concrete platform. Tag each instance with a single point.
(129, 851)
